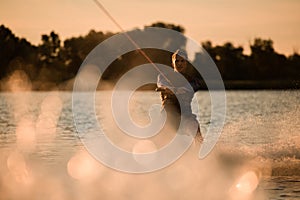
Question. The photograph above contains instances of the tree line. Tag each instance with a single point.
(54, 61)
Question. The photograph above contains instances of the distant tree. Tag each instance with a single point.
(50, 47)
(292, 69)
(230, 60)
(51, 63)
(207, 45)
(15, 54)
(77, 48)
(8, 43)
(266, 63)
(168, 26)
(54, 62)
(135, 58)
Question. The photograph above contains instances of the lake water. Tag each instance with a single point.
(256, 157)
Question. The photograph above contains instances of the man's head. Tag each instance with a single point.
(179, 61)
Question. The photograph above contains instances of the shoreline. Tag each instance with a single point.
(109, 85)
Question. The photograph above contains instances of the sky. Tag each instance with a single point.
(220, 21)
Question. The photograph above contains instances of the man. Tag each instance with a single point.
(177, 91)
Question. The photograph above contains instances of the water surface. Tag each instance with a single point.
(42, 157)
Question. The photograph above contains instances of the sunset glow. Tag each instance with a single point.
(219, 21)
